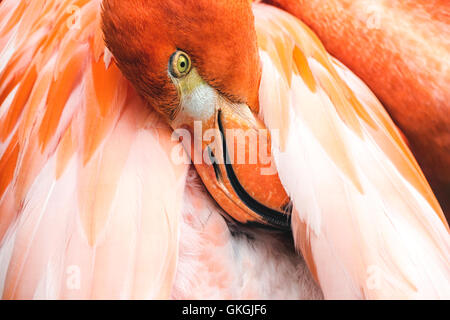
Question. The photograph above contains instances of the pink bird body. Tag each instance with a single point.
(93, 206)
(353, 181)
(401, 50)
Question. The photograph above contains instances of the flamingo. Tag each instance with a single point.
(98, 198)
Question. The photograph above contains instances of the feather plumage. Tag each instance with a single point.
(87, 187)
(365, 217)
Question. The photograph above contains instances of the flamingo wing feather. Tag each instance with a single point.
(78, 148)
(364, 216)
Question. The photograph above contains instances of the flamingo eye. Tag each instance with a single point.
(180, 64)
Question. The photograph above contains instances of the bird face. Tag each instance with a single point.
(229, 147)
(196, 62)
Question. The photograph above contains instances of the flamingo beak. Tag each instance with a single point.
(230, 149)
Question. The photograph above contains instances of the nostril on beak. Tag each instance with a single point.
(213, 160)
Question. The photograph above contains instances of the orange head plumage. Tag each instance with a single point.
(218, 35)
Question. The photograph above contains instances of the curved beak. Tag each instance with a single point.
(231, 152)
(245, 182)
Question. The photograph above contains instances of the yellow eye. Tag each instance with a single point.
(180, 64)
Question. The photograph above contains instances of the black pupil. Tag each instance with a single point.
(183, 64)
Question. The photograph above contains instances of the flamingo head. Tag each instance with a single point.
(196, 62)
